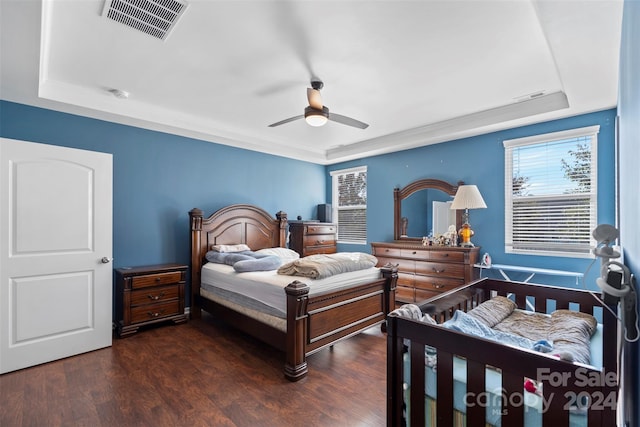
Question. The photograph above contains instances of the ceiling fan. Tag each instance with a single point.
(317, 114)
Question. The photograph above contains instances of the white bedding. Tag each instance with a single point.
(263, 291)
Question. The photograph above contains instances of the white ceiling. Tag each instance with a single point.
(418, 72)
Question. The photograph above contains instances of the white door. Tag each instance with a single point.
(55, 230)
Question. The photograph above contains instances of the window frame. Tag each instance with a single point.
(335, 194)
(575, 250)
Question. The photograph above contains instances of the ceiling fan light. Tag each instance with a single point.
(316, 120)
(316, 117)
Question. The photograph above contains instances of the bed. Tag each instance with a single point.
(312, 320)
(479, 382)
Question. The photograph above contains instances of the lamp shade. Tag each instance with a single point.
(468, 197)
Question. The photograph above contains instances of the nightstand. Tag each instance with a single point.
(312, 237)
(149, 294)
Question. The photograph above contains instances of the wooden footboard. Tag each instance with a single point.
(564, 385)
(316, 322)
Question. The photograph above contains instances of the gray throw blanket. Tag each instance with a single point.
(327, 265)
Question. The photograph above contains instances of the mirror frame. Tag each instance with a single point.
(399, 194)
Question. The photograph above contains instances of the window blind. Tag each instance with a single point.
(350, 204)
(550, 193)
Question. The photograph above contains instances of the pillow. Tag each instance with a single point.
(285, 254)
(229, 258)
(266, 263)
(230, 248)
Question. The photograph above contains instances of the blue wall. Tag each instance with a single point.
(158, 178)
(629, 111)
(480, 160)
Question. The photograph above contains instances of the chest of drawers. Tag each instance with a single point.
(310, 238)
(149, 294)
(426, 271)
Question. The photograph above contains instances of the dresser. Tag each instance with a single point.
(426, 271)
(149, 294)
(312, 237)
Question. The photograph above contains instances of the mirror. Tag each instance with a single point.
(414, 211)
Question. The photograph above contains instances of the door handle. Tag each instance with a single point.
(106, 260)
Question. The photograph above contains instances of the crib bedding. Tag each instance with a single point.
(263, 291)
(532, 402)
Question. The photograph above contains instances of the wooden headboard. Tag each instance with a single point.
(230, 225)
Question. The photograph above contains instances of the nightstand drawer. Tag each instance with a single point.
(321, 229)
(156, 279)
(319, 240)
(154, 295)
(148, 312)
(316, 250)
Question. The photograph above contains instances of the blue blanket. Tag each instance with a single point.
(462, 322)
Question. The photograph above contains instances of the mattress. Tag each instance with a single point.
(263, 291)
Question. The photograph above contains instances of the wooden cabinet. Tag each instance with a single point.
(311, 237)
(149, 294)
(426, 271)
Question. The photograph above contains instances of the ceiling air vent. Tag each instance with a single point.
(153, 17)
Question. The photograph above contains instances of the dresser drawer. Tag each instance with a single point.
(153, 295)
(436, 284)
(414, 254)
(404, 295)
(446, 256)
(144, 313)
(321, 229)
(422, 295)
(440, 269)
(405, 279)
(390, 252)
(156, 279)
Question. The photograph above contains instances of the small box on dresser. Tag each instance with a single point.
(426, 271)
(313, 237)
(149, 294)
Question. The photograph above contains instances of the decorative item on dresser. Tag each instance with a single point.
(149, 294)
(426, 271)
(312, 237)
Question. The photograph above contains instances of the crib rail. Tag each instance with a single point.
(563, 384)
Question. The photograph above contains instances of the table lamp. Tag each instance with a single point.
(467, 197)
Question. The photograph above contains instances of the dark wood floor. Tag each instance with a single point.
(201, 373)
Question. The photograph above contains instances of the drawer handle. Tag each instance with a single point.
(414, 252)
(157, 279)
(155, 314)
(435, 270)
(319, 242)
(437, 286)
(155, 297)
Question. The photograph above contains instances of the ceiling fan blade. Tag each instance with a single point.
(290, 119)
(315, 100)
(347, 121)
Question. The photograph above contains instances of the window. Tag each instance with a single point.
(349, 199)
(550, 193)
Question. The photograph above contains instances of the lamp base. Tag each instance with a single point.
(465, 234)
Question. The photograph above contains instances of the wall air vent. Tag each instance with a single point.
(154, 17)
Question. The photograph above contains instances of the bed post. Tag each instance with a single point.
(390, 273)
(195, 216)
(283, 228)
(295, 367)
